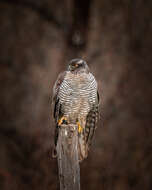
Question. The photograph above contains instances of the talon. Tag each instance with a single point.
(80, 129)
(62, 120)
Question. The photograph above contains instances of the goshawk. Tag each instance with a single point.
(76, 101)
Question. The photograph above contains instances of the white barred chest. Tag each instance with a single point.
(77, 94)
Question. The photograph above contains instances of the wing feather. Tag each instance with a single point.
(55, 100)
(56, 103)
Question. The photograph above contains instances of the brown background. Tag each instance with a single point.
(37, 39)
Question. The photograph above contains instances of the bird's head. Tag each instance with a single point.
(78, 66)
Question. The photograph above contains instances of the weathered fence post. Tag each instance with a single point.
(67, 155)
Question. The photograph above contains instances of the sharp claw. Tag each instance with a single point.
(80, 129)
(62, 120)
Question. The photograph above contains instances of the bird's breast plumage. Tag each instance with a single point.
(77, 93)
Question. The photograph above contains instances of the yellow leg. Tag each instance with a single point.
(60, 121)
(80, 129)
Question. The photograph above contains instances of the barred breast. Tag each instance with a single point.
(77, 94)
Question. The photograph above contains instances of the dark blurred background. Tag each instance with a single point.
(37, 39)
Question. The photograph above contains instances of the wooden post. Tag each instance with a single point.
(67, 155)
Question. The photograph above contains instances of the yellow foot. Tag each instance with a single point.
(60, 121)
(80, 129)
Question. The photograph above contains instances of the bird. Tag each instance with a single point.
(76, 101)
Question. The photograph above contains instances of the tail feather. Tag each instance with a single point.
(83, 148)
(91, 124)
